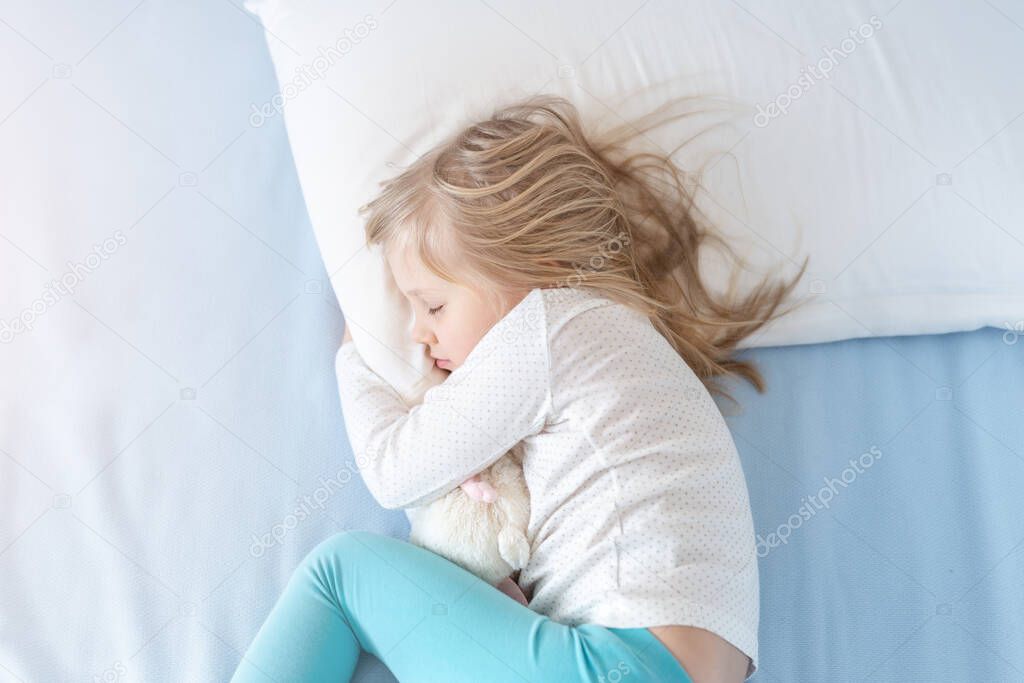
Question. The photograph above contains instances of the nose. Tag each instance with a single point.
(421, 334)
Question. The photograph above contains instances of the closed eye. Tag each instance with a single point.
(433, 311)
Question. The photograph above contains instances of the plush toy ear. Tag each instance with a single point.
(513, 546)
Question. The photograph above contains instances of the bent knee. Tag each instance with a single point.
(342, 543)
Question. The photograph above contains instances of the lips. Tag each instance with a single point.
(442, 363)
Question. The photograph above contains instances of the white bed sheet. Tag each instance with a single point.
(158, 423)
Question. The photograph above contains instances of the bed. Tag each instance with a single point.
(171, 443)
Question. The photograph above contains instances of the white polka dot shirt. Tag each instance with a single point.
(640, 513)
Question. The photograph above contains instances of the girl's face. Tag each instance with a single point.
(450, 318)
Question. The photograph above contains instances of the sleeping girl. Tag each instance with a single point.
(555, 276)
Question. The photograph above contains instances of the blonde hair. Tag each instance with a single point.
(522, 199)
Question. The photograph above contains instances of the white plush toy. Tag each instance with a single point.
(481, 525)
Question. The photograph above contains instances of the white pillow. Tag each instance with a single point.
(898, 171)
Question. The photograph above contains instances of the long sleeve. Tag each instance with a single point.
(411, 457)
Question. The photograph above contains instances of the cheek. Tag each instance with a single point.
(457, 340)
(472, 335)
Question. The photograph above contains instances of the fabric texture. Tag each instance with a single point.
(429, 621)
(639, 508)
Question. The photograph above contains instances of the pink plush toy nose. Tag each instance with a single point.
(478, 489)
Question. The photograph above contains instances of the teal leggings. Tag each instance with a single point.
(427, 619)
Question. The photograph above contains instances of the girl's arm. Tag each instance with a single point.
(411, 457)
(474, 487)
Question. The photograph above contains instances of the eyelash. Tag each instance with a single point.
(433, 311)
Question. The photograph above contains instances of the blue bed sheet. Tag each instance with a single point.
(907, 563)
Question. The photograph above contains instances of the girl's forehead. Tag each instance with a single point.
(411, 273)
(404, 262)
